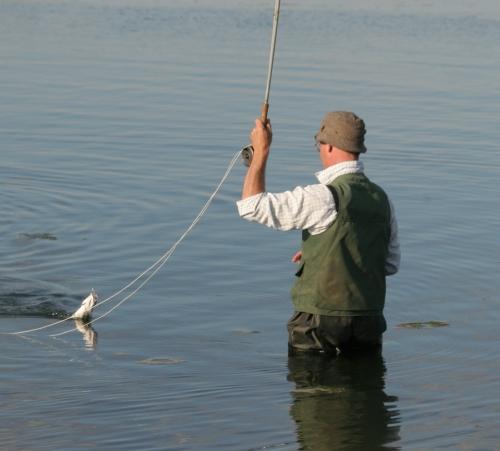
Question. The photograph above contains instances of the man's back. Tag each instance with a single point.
(343, 269)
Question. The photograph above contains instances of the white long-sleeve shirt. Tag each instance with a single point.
(311, 208)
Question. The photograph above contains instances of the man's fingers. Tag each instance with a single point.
(261, 135)
(260, 125)
(297, 257)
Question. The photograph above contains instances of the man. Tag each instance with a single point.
(349, 239)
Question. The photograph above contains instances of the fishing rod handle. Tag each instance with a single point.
(247, 151)
(263, 112)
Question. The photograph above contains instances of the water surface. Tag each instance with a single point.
(118, 118)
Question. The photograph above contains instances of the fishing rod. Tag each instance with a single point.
(247, 151)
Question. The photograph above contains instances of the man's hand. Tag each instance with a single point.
(297, 257)
(261, 137)
(255, 179)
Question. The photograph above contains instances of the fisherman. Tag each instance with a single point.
(349, 239)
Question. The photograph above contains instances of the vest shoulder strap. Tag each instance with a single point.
(335, 197)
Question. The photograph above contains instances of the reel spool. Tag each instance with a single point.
(247, 155)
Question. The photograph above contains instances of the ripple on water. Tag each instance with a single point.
(19, 297)
(36, 236)
(161, 361)
(423, 324)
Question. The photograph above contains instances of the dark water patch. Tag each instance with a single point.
(161, 361)
(244, 331)
(423, 324)
(10, 307)
(36, 236)
(18, 300)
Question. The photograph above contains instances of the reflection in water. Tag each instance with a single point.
(89, 335)
(341, 404)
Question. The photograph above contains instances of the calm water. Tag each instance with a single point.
(118, 118)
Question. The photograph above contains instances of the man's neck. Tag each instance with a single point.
(332, 155)
(333, 161)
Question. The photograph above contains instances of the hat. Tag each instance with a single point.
(343, 130)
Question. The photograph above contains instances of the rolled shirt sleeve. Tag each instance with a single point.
(310, 207)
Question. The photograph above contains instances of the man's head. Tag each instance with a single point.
(343, 130)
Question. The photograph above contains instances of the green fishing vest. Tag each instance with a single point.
(342, 270)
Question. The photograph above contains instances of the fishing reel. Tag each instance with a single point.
(247, 155)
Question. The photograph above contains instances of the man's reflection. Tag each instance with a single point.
(340, 403)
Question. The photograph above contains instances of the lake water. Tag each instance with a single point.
(117, 120)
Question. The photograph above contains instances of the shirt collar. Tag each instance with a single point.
(328, 175)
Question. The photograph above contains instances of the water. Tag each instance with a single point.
(118, 118)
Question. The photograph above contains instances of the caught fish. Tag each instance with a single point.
(84, 312)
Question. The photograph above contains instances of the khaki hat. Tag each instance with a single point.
(343, 130)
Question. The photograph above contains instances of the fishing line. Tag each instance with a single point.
(164, 258)
(154, 268)
(246, 154)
